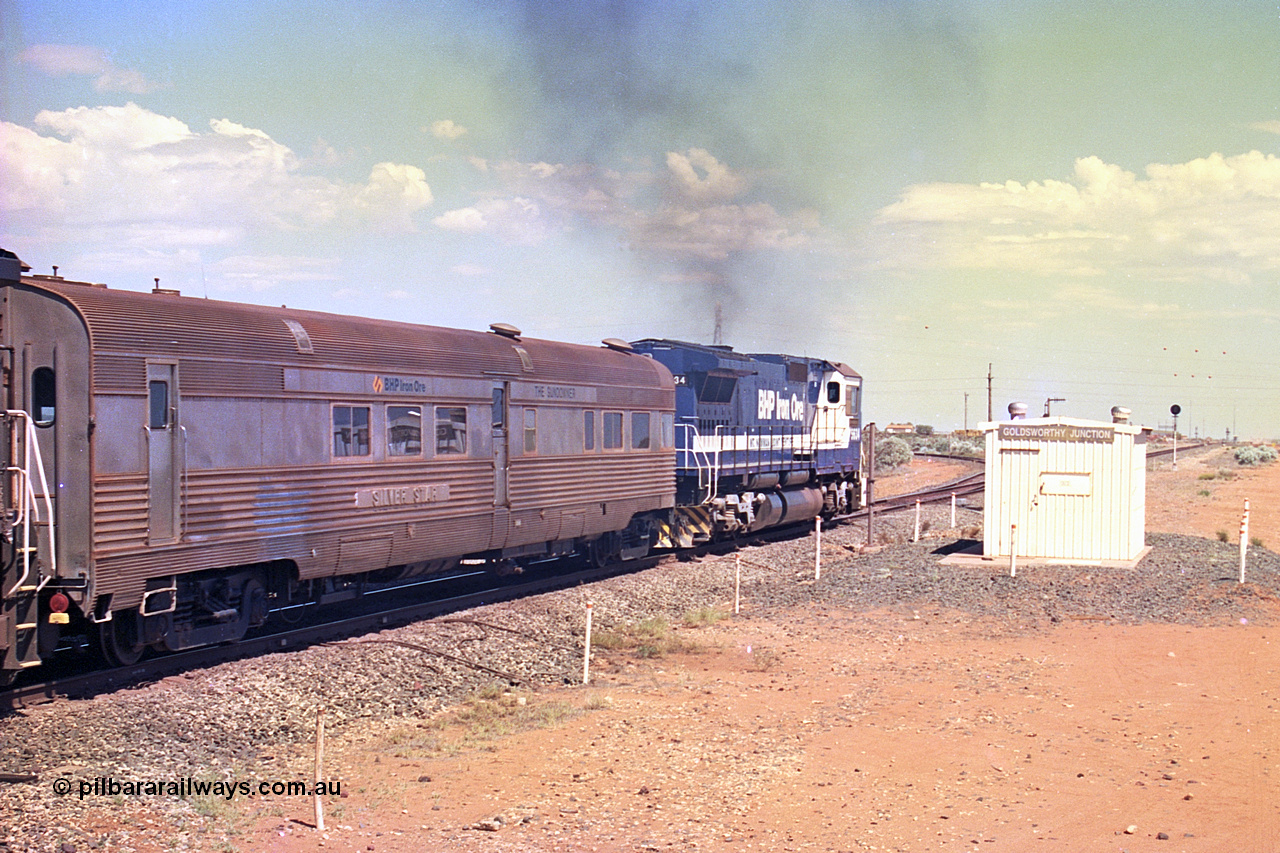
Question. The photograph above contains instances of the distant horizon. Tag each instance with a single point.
(1084, 197)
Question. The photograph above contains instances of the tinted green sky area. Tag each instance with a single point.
(1085, 196)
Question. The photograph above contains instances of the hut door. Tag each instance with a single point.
(164, 464)
(1020, 484)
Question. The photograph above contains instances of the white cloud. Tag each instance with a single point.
(533, 200)
(447, 129)
(702, 177)
(1211, 219)
(70, 60)
(110, 129)
(129, 175)
(513, 220)
(467, 220)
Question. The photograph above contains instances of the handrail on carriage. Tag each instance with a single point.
(28, 503)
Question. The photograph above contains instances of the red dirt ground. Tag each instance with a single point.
(821, 729)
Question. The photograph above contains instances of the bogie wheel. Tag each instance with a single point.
(602, 551)
(118, 639)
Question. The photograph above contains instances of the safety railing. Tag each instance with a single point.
(28, 502)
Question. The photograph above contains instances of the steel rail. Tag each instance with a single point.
(153, 669)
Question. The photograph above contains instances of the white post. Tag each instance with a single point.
(319, 768)
(737, 583)
(1013, 550)
(953, 510)
(1244, 537)
(915, 537)
(817, 548)
(586, 653)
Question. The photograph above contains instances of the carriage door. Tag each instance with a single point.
(501, 465)
(164, 462)
(501, 459)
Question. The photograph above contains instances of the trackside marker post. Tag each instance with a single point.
(1244, 537)
(817, 548)
(586, 652)
(1013, 550)
(319, 769)
(915, 537)
(953, 510)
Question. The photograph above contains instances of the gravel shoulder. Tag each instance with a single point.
(893, 704)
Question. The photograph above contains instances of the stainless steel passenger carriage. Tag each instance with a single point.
(178, 467)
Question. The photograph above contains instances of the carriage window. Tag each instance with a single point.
(612, 430)
(451, 430)
(43, 397)
(668, 431)
(530, 430)
(499, 419)
(350, 430)
(158, 393)
(639, 430)
(833, 392)
(404, 431)
(851, 401)
(588, 430)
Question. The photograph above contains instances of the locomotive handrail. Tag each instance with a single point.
(701, 460)
(29, 503)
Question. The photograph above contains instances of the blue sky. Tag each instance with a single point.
(1085, 196)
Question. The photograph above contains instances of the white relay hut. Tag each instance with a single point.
(1074, 489)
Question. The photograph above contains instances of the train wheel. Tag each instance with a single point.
(118, 639)
(603, 550)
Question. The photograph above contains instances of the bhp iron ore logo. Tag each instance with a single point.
(398, 385)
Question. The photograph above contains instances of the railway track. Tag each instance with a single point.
(454, 594)
(449, 595)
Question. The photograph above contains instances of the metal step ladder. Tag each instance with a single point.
(21, 585)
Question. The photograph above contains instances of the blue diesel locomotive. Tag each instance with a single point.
(761, 439)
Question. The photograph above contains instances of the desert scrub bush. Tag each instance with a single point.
(892, 452)
(1254, 455)
(1256, 541)
(1204, 493)
(1222, 536)
(650, 638)
(495, 712)
(968, 448)
(704, 616)
(1208, 475)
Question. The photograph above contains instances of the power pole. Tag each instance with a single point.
(988, 391)
(966, 411)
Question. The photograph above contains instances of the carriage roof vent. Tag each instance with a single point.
(506, 330)
(618, 345)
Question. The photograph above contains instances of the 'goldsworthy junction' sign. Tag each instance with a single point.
(1055, 432)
